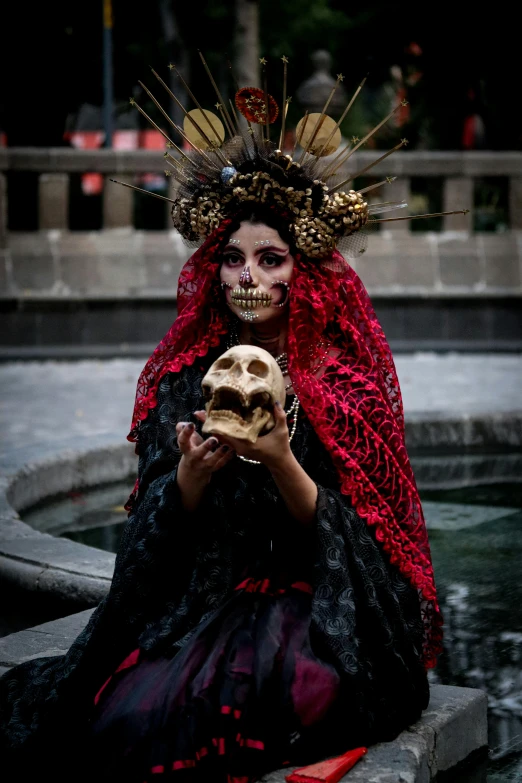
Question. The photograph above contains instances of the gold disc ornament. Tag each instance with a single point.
(204, 129)
(314, 131)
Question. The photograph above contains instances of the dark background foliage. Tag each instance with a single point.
(467, 55)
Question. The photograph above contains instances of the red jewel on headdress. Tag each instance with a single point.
(251, 103)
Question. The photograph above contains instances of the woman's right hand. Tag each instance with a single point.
(200, 458)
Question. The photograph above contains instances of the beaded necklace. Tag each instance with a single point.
(282, 361)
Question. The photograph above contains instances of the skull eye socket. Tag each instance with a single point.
(258, 368)
(224, 364)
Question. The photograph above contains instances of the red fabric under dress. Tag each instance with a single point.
(244, 692)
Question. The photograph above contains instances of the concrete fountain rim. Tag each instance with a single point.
(33, 560)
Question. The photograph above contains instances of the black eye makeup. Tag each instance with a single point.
(269, 258)
(233, 259)
(272, 259)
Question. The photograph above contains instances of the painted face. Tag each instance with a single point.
(256, 273)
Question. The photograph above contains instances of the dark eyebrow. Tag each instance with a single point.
(271, 248)
(259, 250)
(233, 247)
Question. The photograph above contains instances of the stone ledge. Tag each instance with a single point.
(467, 431)
(132, 350)
(37, 562)
(68, 470)
(453, 726)
(412, 323)
(52, 638)
(411, 163)
(114, 263)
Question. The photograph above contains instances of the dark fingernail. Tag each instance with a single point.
(225, 449)
(213, 443)
(277, 404)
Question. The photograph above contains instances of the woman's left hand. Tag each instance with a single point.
(272, 449)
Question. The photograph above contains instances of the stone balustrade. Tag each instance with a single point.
(452, 288)
(458, 170)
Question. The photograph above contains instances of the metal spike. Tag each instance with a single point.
(284, 104)
(144, 113)
(267, 107)
(322, 116)
(365, 139)
(386, 181)
(228, 122)
(174, 163)
(418, 217)
(186, 113)
(197, 149)
(298, 138)
(192, 97)
(141, 190)
(250, 129)
(343, 115)
(371, 165)
(235, 117)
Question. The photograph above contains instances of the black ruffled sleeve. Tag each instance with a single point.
(366, 618)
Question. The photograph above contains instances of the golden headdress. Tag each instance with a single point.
(217, 177)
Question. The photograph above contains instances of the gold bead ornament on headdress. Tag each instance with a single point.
(231, 164)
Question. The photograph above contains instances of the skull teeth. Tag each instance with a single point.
(251, 304)
(223, 414)
(250, 300)
(232, 416)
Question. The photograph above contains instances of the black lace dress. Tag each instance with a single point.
(233, 640)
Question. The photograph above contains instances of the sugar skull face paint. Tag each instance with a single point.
(256, 272)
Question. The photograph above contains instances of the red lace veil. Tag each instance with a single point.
(354, 403)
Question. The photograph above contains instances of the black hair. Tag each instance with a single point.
(257, 214)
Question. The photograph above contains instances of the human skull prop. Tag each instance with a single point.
(241, 388)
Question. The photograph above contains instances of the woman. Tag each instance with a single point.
(271, 603)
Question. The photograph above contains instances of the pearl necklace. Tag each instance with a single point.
(282, 361)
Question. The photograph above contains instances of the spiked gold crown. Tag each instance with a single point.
(218, 177)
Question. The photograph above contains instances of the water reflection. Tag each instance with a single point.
(95, 517)
(476, 539)
(478, 578)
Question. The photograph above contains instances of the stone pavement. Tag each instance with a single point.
(48, 406)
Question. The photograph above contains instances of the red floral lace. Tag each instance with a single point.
(353, 401)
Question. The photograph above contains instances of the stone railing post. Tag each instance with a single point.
(53, 201)
(3, 210)
(515, 203)
(397, 191)
(458, 194)
(118, 204)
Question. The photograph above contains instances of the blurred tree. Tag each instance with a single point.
(52, 55)
(247, 42)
